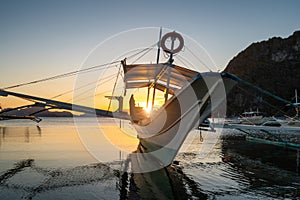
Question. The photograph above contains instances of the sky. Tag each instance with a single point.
(39, 39)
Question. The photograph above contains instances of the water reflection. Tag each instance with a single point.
(19, 134)
(283, 158)
(166, 183)
(48, 162)
(268, 169)
(39, 163)
(43, 183)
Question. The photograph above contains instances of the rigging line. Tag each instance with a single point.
(98, 94)
(112, 93)
(278, 110)
(284, 107)
(59, 76)
(188, 49)
(165, 55)
(181, 61)
(185, 60)
(88, 71)
(121, 74)
(105, 91)
(237, 79)
(148, 50)
(83, 86)
(145, 49)
(88, 90)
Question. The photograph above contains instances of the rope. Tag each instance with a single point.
(60, 75)
(98, 94)
(69, 91)
(198, 59)
(264, 101)
(148, 50)
(76, 71)
(183, 60)
(115, 84)
(236, 78)
(100, 82)
(150, 47)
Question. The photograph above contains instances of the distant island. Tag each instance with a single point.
(273, 65)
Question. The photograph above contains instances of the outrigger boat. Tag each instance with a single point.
(190, 97)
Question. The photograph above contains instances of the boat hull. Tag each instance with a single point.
(161, 139)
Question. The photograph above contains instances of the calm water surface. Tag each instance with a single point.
(50, 161)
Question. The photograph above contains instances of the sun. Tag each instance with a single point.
(148, 109)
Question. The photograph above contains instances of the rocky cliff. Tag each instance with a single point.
(273, 65)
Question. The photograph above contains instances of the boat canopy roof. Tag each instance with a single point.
(156, 75)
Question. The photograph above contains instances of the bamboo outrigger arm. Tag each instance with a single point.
(59, 104)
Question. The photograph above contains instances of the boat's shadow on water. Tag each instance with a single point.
(167, 183)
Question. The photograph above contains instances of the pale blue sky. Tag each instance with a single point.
(43, 38)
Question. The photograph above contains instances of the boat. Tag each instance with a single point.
(269, 130)
(252, 118)
(291, 121)
(189, 98)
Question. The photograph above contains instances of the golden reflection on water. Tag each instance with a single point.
(120, 138)
(57, 145)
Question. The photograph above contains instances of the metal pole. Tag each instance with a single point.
(157, 61)
(148, 93)
(297, 109)
(112, 93)
(153, 98)
(169, 69)
(168, 84)
(158, 46)
(296, 96)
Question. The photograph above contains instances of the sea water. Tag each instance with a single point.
(54, 160)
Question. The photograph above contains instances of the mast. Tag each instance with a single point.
(297, 108)
(296, 95)
(171, 51)
(169, 67)
(158, 46)
(157, 61)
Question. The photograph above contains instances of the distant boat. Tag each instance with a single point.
(291, 121)
(288, 122)
(252, 118)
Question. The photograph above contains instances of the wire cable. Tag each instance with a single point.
(60, 75)
(188, 49)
